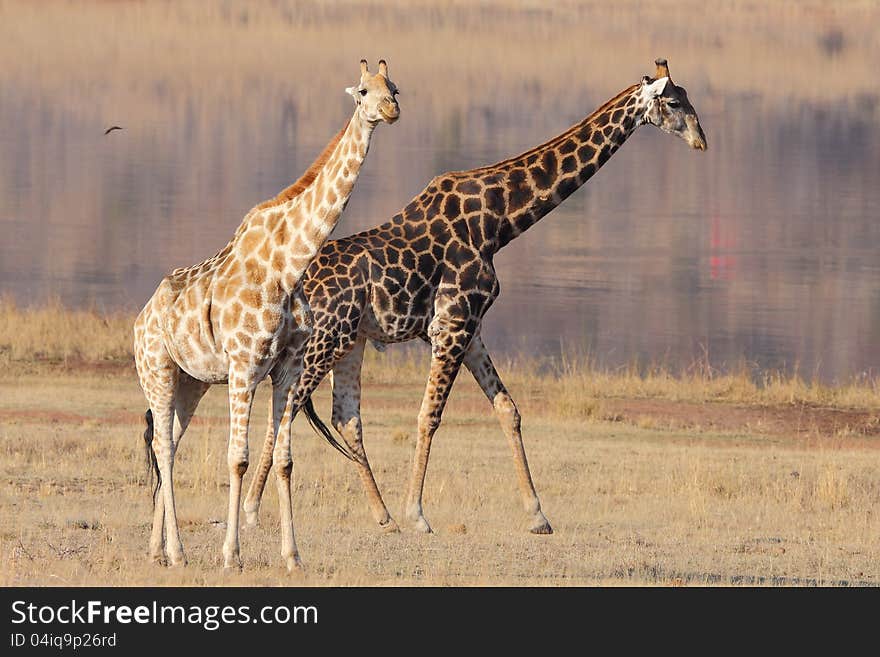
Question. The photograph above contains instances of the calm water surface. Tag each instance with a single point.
(765, 249)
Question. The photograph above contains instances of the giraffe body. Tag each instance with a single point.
(241, 316)
(428, 273)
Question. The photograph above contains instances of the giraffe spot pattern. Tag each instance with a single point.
(428, 273)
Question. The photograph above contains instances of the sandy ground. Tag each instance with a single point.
(653, 492)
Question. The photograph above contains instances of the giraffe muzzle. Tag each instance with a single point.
(699, 144)
(695, 137)
(390, 111)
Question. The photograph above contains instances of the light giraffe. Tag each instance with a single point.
(428, 273)
(240, 316)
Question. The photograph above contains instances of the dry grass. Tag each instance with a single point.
(629, 504)
(572, 388)
(780, 49)
(53, 332)
(576, 387)
(634, 496)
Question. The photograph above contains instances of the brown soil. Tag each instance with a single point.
(812, 425)
(800, 421)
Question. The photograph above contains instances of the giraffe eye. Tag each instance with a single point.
(673, 103)
(363, 92)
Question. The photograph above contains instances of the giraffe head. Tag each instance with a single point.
(375, 95)
(667, 107)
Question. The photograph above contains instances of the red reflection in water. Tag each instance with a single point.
(722, 239)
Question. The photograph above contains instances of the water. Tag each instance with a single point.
(764, 249)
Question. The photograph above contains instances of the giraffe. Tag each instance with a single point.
(240, 316)
(428, 273)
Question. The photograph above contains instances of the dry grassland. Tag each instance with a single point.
(780, 49)
(655, 479)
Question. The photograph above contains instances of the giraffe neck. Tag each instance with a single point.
(284, 234)
(540, 179)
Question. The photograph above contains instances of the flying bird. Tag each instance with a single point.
(111, 129)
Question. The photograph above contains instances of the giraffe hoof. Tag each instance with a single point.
(294, 566)
(389, 527)
(543, 528)
(421, 525)
(231, 562)
(251, 513)
(177, 562)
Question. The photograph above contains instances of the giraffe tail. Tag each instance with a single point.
(322, 430)
(152, 463)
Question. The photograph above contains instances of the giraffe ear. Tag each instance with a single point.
(655, 88)
(352, 91)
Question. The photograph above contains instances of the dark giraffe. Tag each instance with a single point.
(428, 274)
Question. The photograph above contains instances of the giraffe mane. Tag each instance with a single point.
(308, 177)
(541, 147)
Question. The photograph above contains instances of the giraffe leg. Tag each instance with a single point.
(261, 475)
(157, 534)
(188, 395)
(282, 460)
(241, 399)
(315, 368)
(479, 363)
(447, 353)
(347, 420)
(163, 446)
(159, 378)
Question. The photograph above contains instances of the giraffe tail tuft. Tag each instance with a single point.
(322, 430)
(152, 463)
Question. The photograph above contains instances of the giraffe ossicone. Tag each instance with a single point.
(240, 316)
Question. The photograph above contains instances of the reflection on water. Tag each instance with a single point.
(765, 248)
